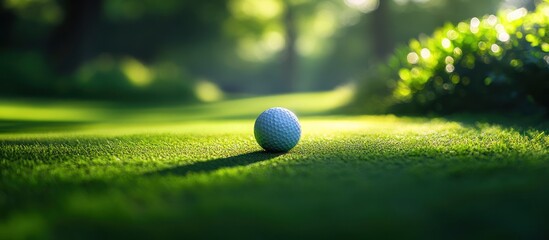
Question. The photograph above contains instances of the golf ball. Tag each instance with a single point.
(277, 130)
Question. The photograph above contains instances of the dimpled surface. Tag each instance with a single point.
(277, 130)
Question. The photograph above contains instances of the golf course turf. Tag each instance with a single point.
(87, 171)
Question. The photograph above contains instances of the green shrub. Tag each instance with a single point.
(28, 74)
(493, 63)
(127, 79)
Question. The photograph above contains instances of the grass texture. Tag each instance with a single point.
(91, 171)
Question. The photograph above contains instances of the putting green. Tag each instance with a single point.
(88, 170)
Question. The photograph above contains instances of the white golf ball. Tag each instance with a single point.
(277, 130)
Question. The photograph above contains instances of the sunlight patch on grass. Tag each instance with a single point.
(301, 103)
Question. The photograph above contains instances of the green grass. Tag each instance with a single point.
(89, 170)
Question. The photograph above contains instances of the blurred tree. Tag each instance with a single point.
(7, 20)
(380, 30)
(382, 25)
(290, 60)
(71, 42)
(253, 46)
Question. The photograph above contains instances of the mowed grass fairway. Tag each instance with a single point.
(87, 171)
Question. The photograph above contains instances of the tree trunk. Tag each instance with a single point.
(383, 43)
(71, 43)
(289, 61)
(7, 20)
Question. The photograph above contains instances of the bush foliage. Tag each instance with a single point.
(105, 78)
(490, 63)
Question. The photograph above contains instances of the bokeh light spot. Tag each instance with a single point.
(503, 36)
(425, 53)
(446, 43)
(207, 91)
(136, 72)
(457, 51)
(492, 20)
(364, 6)
(262, 10)
(450, 68)
(452, 35)
(517, 14)
(449, 60)
(412, 58)
(495, 48)
(475, 23)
